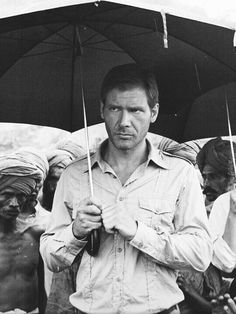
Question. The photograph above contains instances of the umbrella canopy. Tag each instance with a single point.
(42, 53)
(209, 111)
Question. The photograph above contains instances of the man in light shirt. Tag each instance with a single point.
(223, 228)
(147, 206)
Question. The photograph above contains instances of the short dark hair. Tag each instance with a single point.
(126, 76)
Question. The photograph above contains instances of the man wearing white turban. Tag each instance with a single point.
(29, 213)
(59, 158)
(19, 251)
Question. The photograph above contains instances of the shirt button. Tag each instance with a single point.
(140, 245)
(119, 249)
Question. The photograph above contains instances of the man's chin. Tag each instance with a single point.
(124, 144)
(11, 217)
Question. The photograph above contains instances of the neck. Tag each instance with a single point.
(125, 162)
(133, 157)
(7, 226)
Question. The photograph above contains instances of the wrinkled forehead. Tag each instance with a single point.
(9, 190)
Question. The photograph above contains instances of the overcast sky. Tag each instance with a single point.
(214, 11)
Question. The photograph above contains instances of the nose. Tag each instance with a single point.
(206, 182)
(52, 186)
(124, 119)
(14, 202)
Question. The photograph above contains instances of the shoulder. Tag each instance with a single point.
(175, 160)
(80, 164)
(223, 198)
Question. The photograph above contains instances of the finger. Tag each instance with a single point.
(214, 302)
(109, 223)
(108, 214)
(94, 225)
(231, 305)
(78, 204)
(92, 210)
(93, 200)
(227, 310)
(87, 226)
(91, 218)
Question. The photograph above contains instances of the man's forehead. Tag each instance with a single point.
(56, 170)
(131, 97)
(208, 169)
(9, 189)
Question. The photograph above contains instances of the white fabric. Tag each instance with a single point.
(223, 257)
(164, 196)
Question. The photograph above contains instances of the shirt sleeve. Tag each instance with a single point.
(58, 246)
(223, 257)
(190, 244)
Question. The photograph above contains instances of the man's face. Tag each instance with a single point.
(215, 183)
(11, 202)
(53, 178)
(50, 184)
(127, 117)
(31, 201)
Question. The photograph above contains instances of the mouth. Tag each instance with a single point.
(124, 135)
(13, 214)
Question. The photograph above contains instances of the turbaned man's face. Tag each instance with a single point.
(11, 202)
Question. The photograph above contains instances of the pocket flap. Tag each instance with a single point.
(158, 206)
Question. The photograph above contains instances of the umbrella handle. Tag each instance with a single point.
(93, 244)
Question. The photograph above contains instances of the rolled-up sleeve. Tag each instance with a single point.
(190, 244)
(58, 246)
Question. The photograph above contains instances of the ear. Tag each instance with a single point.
(101, 109)
(154, 112)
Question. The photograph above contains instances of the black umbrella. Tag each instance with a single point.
(41, 54)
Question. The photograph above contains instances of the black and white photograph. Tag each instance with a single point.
(117, 157)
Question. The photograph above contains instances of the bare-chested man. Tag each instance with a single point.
(19, 250)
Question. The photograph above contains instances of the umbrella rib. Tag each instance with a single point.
(31, 48)
(44, 53)
(60, 35)
(118, 37)
(32, 41)
(184, 41)
(113, 23)
(104, 49)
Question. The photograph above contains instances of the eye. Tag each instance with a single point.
(113, 108)
(21, 197)
(136, 110)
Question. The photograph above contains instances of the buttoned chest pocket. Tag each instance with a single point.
(156, 213)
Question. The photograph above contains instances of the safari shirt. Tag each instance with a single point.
(139, 276)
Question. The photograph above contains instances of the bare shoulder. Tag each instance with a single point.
(34, 232)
